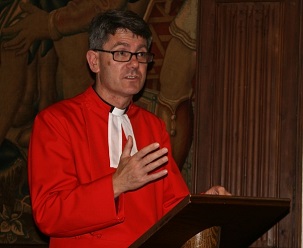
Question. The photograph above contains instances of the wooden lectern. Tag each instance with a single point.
(242, 220)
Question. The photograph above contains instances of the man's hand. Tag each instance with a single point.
(217, 190)
(133, 172)
(34, 26)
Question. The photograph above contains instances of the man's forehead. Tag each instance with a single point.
(122, 31)
(122, 35)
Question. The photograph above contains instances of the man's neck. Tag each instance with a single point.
(114, 101)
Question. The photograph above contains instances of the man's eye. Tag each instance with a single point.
(141, 54)
(123, 53)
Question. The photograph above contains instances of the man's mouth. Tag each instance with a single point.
(131, 77)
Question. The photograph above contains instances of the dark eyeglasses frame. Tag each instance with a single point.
(151, 55)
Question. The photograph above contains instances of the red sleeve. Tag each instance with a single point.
(175, 188)
(149, 128)
(56, 191)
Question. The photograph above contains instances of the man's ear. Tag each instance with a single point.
(93, 60)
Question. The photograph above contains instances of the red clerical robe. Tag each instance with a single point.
(70, 177)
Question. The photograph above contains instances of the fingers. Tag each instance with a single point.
(17, 27)
(146, 150)
(27, 7)
(127, 148)
(15, 43)
(217, 190)
(136, 171)
(18, 43)
(10, 31)
(155, 176)
(155, 160)
(150, 155)
(148, 160)
(155, 155)
(223, 191)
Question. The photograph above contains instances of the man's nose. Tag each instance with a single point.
(134, 60)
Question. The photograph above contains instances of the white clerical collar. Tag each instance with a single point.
(117, 111)
(118, 120)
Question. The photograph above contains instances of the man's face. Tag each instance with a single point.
(121, 79)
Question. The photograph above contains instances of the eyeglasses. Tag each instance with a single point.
(125, 56)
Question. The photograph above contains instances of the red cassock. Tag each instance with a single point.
(71, 181)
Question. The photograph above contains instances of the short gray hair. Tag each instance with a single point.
(110, 21)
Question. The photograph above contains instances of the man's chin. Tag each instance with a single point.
(133, 90)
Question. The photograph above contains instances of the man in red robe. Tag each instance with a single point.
(101, 171)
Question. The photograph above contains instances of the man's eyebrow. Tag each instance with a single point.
(128, 45)
(119, 43)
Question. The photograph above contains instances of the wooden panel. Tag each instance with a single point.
(247, 89)
(247, 99)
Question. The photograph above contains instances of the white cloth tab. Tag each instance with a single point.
(117, 120)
